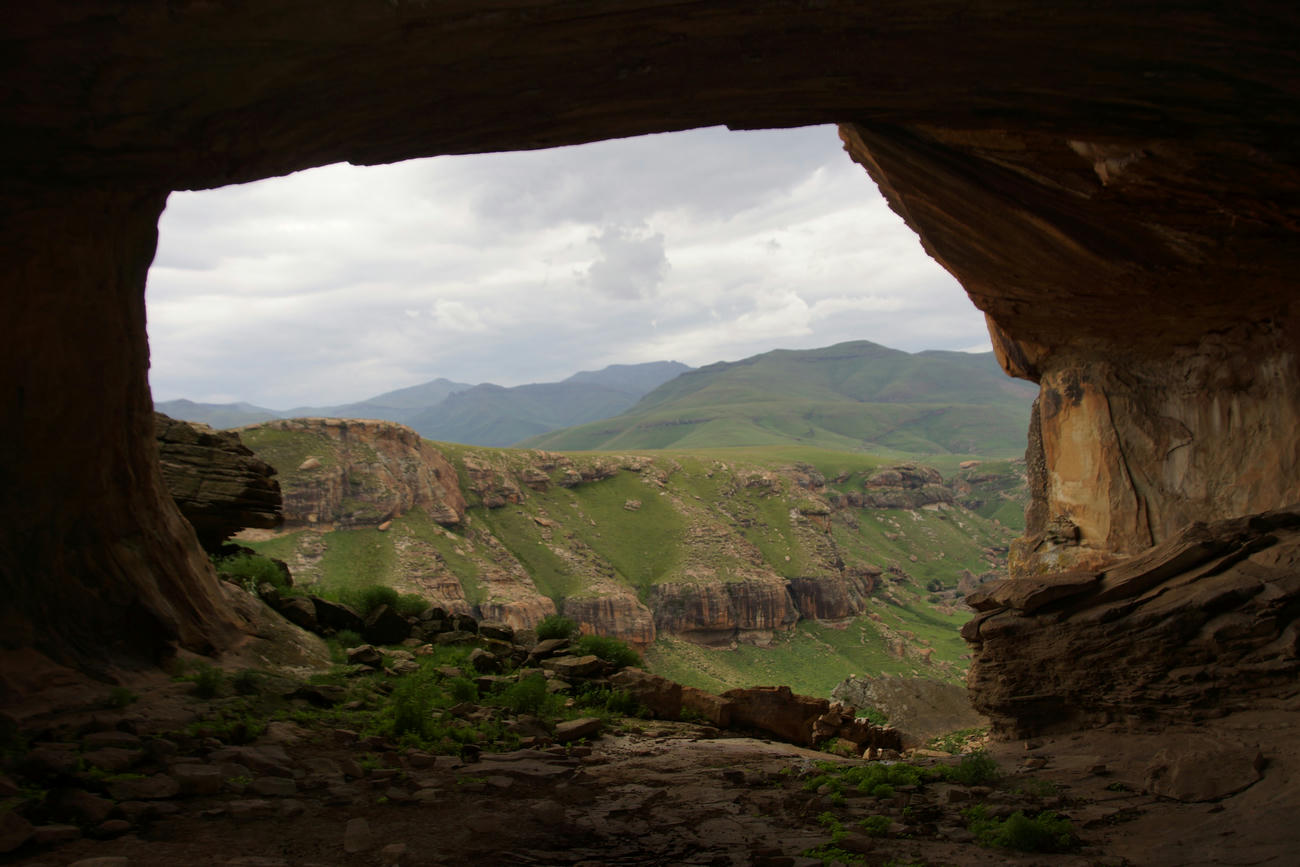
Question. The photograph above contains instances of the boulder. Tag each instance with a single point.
(366, 654)
(661, 696)
(336, 616)
(579, 667)
(484, 662)
(300, 611)
(578, 729)
(219, 485)
(497, 631)
(386, 626)
(714, 709)
(776, 711)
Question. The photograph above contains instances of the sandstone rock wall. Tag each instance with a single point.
(718, 613)
(617, 613)
(1199, 626)
(1131, 456)
(219, 484)
(368, 472)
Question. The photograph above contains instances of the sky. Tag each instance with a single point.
(339, 283)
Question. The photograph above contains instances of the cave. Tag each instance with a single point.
(1116, 187)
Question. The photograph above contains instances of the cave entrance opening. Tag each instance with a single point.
(335, 284)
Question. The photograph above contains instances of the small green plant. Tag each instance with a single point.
(1046, 832)
(120, 696)
(207, 680)
(976, 769)
(608, 649)
(831, 822)
(556, 626)
(1117, 786)
(246, 681)
(411, 706)
(615, 702)
(348, 638)
(250, 571)
(876, 826)
(411, 604)
(529, 696)
(873, 716)
(462, 689)
(368, 598)
(953, 741)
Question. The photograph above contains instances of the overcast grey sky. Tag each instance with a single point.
(339, 283)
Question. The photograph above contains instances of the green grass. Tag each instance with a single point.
(703, 516)
(287, 450)
(851, 397)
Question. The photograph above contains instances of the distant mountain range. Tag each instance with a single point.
(856, 396)
(485, 414)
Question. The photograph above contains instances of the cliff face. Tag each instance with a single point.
(719, 613)
(1115, 186)
(350, 472)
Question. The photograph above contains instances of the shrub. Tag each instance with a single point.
(409, 709)
(348, 638)
(411, 604)
(974, 770)
(608, 649)
(616, 702)
(207, 680)
(462, 689)
(530, 696)
(252, 570)
(246, 681)
(873, 716)
(1046, 832)
(367, 599)
(556, 626)
(876, 826)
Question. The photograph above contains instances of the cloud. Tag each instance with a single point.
(632, 263)
(335, 284)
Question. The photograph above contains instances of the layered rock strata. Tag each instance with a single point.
(220, 486)
(367, 472)
(1201, 625)
(718, 613)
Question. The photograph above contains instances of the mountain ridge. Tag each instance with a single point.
(857, 396)
(520, 411)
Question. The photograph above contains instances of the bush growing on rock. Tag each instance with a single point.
(556, 626)
(1046, 832)
(411, 605)
(251, 571)
(608, 649)
(366, 599)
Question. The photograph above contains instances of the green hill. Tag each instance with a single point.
(856, 396)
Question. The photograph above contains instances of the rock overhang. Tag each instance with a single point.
(1117, 190)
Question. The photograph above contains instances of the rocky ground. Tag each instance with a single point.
(642, 792)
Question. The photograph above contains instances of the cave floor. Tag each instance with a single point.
(653, 792)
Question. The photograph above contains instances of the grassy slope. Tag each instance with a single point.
(568, 538)
(853, 396)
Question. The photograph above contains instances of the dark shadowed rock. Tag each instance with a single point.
(661, 696)
(220, 486)
(386, 626)
(336, 615)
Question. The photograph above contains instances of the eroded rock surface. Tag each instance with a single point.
(1202, 625)
(361, 473)
(220, 486)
